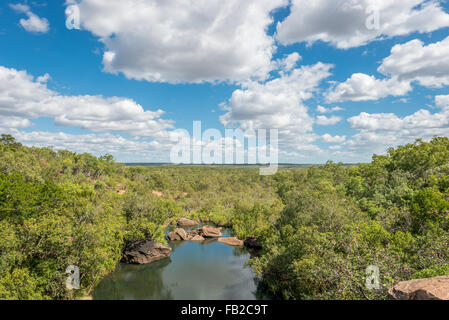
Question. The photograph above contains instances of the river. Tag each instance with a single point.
(194, 271)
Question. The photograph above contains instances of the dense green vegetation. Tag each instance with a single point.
(320, 227)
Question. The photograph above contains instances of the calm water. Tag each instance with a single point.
(203, 271)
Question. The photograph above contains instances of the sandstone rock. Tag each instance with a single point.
(209, 241)
(252, 243)
(173, 236)
(145, 251)
(231, 242)
(192, 234)
(157, 193)
(197, 238)
(210, 232)
(183, 222)
(182, 233)
(421, 289)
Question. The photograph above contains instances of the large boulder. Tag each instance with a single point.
(252, 243)
(421, 289)
(191, 234)
(231, 242)
(172, 236)
(211, 232)
(182, 233)
(145, 251)
(197, 239)
(183, 222)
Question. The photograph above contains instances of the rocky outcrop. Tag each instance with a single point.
(210, 232)
(421, 289)
(252, 243)
(182, 234)
(173, 236)
(197, 238)
(231, 242)
(183, 222)
(145, 251)
(178, 235)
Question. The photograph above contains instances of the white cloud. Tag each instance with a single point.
(173, 41)
(23, 97)
(323, 110)
(362, 87)
(333, 139)
(131, 150)
(442, 101)
(409, 62)
(289, 62)
(278, 104)
(14, 122)
(33, 23)
(327, 121)
(377, 132)
(414, 61)
(343, 23)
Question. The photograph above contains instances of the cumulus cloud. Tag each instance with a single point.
(22, 98)
(126, 150)
(352, 23)
(362, 87)
(289, 62)
(323, 110)
(33, 23)
(279, 104)
(407, 63)
(333, 139)
(377, 132)
(174, 41)
(414, 61)
(328, 121)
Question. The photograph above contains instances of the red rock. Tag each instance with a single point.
(210, 232)
(197, 238)
(231, 242)
(182, 233)
(145, 251)
(421, 289)
(183, 222)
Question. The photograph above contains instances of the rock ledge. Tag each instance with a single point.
(421, 289)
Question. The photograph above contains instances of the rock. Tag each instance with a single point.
(210, 232)
(192, 234)
(231, 242)
(145, 251)
(173, 236)
(182, 233)
(209, 241)
(252, 243)
(421, 289)
(197, 238)
(183, 222)
(157, 193)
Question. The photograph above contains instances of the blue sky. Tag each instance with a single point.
(226, 65)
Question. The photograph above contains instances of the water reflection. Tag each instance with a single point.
(197, 271)
(131, 282)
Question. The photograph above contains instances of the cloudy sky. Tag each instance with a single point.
(339, 79)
